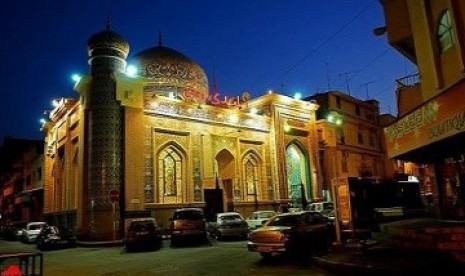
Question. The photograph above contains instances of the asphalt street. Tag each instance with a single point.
(216, 258)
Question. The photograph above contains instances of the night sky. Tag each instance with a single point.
(305, 46)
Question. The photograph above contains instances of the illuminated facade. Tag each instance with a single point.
(430, 129)
(351, 137)
(148, 144)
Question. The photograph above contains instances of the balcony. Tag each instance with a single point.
(398, 27)
(408, 94)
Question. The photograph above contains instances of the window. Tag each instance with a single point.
(251, 174)
(340, 139)
(360, 137)
(357, 110)
(371, 140)
(445, 31)
(344, 162)
(338, 102)
(169, 171)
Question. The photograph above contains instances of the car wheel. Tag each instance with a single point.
(265, 255)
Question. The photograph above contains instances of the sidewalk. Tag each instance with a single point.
(350, 259)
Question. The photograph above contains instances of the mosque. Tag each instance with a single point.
(143, 144)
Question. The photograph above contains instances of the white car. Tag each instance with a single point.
(32, 230)
(257, 218)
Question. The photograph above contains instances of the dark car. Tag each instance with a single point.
(325, 208)
(143, 233)
(13, 230)
(304, 232)
(53, 237)
(230, 224)
(188, 224)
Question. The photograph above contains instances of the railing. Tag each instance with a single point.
(24, 263)
(408, 81)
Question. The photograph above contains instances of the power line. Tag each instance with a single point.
(328, 39)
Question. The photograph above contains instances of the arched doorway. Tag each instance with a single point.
(227, 174)
(298, 176)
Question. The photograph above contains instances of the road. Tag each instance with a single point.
(216, 258)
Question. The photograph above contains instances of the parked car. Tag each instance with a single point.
(14, 230)
(257, 218)
(230, 224)
(53, 237)
(188, 224)
(143, 233)
(326, 208)
(31, 231)
(304, 232)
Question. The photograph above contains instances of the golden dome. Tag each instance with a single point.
(168, 71)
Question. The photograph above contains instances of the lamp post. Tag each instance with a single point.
(335, 119)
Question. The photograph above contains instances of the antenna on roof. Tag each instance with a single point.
(108, 23)
(160, 38)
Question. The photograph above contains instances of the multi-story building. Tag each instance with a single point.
(430, 128)
(352, 143)
(352, 154)
(149, 143)
(21, 186)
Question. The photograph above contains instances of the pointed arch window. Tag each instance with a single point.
(169, 171)
(251, 174)
(445, 31)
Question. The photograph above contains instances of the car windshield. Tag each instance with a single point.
(50, 230)
(142, 225)
(230, 217)
(284, 221)
(35, 226)
(328, 205)
(266, 214)
(189, 215)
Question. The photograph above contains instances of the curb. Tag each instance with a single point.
(112, 243)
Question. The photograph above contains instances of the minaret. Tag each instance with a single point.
(103, 138)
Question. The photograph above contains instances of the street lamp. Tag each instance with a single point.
(335, 119)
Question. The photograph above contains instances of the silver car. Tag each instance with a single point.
(258, 218)
(230, 224)
(31, 231)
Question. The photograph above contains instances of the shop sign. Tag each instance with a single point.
(439, 118)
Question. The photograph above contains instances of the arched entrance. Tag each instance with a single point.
(298, 176)
(227, 173)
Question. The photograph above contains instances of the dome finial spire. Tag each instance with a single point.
(108, 23)
(160, 38)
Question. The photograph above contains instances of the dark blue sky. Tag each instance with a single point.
(290, 46)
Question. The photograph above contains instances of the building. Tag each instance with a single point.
(146, 144)
(352, 153)
(351, 137)
(430, 128)
(21, 180)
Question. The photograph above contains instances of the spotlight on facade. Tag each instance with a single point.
(131, 71)
(330, 118)
(76, 78)
(253, 110)
(297, 96)
(338, 122)
(55, 103)
(42, 121)
(233, 118)
(287, 128)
